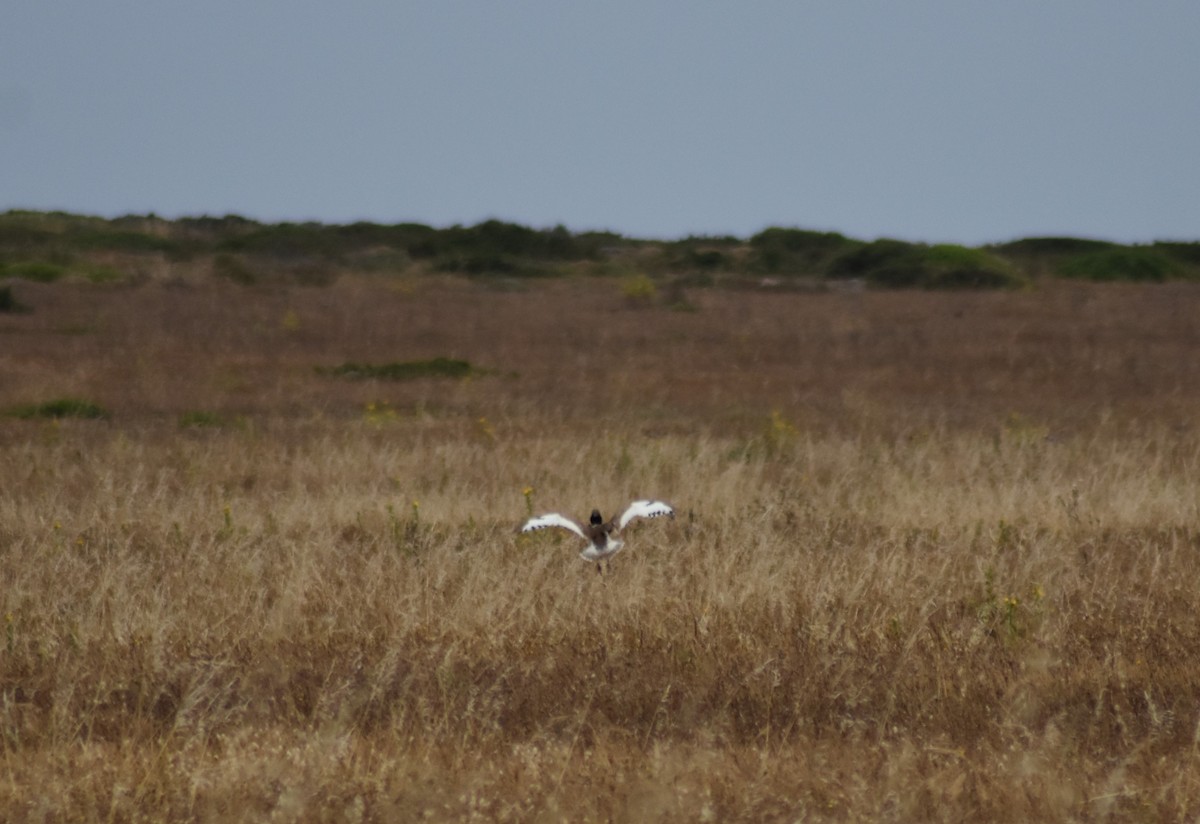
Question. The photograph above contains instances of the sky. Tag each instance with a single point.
(955, 121)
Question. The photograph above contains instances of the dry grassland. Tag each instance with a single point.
(935, 556)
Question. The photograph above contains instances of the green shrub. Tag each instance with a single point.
(697, 253)
(382, 259)
(1133, 263)
(1052, 246)
(16, 233)
(958, 267)
(891, 263)
(707, 259)
(124, 241)
(896, 264)
(478, 264)
(39, 271)
(492, 265)
(285, 240)
(786, 251)
(405, 370)
(1185, 253)
(200, 420)
(638, 288)
(491, 240)
(498, 238)
(59, 408)
(104, 274)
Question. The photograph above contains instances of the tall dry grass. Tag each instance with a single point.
(932, 559)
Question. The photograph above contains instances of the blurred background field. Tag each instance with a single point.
(932, 558)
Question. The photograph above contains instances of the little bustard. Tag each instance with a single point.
(603, 537)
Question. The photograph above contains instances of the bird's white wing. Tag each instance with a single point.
(645, 509)
(553, 519)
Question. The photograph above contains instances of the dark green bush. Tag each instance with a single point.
(796, 251)
(213, 225)
(491, 247)
(18, 234)
(104, 274)
(707, 259)
(890, 263)
(99, 239)
(1135, 263)
(200, 420)
(35, 270)
(405, 370)
(485, 265)
(1051, 246)
(1185, 253)
(59, 408)
(798, 240)
(480, 264)
(896, 264)
(950, 266)
(284, 240)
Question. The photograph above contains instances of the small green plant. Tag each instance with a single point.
(638, 289)
(1007, 536)
(1071, 503)
(104, 274)
(59, 408)
(379, 413)
(486, 430)
(779, 432)
(528, 493)
(624, 462)
(407, 533)
(226, 529)
(200, 420)
(39, 271)
(405, 370)
(1022, 430)
(1011, 606)
(1009, 618)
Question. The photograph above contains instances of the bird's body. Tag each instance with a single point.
(603, 538)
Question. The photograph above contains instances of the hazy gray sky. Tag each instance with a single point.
(939, 121)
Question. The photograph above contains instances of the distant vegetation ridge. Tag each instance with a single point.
(47, 246)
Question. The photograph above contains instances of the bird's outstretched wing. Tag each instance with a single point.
(645, 509)
(553, 519)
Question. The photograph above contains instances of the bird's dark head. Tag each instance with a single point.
(596, 519)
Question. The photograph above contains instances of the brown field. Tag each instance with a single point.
(934, 560)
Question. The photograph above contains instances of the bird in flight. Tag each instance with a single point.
(603, 537)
